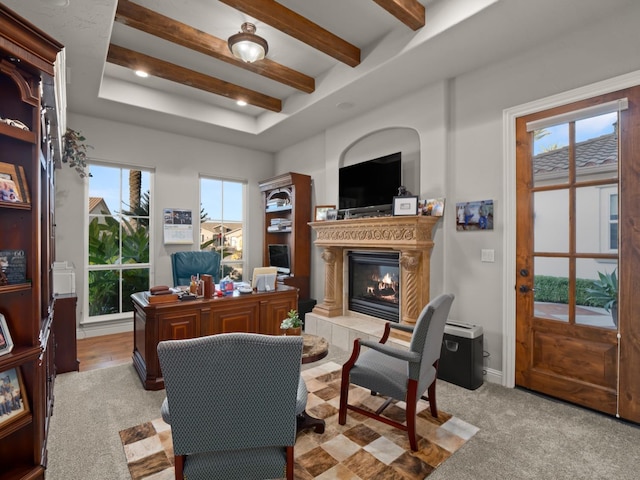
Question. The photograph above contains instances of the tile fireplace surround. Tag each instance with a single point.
(409, 235)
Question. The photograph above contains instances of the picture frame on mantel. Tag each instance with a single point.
(405, 205)
(321, 211)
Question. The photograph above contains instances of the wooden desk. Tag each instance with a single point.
(153, 323)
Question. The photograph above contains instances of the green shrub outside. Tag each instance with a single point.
(556, 290)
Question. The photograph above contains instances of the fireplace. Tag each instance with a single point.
(410, 236)
(374, 284)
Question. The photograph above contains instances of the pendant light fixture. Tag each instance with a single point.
(246, 45)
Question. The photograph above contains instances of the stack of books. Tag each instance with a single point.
(279, 225)
(276, 203)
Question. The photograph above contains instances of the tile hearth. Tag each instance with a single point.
(342, 330)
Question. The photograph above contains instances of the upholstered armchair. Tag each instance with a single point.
(231, 402)
(397, 373)
(185, 264)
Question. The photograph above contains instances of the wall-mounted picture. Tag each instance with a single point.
(433, 207)
(15, 404)
(13, 184)
(178, 226)
(476, 215)
(6, 344)
(405, 205)
(321, 212)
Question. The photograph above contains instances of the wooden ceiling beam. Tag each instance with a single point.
(174, 73)
(156, 24)
(299, 27)
(409, 12)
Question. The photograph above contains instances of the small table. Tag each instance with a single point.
(314, 348)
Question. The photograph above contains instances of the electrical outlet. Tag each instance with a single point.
(487, 255)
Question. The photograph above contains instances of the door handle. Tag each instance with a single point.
(526, 288)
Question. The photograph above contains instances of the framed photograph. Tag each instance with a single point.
(405, 205)
(13, 267)
(13, 184)
(12, 391)
(433, 207)
(477, 215)
(321, 212)
(332, 214)
(6, 344)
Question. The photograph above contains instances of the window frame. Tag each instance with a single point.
(606, 195)
(243, 183)
(122, 315)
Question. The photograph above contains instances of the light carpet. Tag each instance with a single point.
(362, 449)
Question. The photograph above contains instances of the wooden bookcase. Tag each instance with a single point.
(27, 94)
(287, 200)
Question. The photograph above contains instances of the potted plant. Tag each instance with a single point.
(75, 152)
(292, 325)
(604, 293)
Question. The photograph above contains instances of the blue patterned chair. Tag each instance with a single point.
(231, 402)
(399, 373)
(185, 264)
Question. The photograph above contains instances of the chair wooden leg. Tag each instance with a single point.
(344, 384)
(178, 464)
(344, 395)
(432, 400)
(290, 463)
(412, 401)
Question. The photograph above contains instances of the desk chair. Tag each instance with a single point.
(231, 403)
(185, 264)
(398, 373)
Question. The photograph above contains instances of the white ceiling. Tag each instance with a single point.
(459, 36)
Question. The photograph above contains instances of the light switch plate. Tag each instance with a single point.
(487, 255)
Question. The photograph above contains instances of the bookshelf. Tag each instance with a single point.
(287, 210)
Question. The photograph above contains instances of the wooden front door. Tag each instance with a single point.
(577, 252)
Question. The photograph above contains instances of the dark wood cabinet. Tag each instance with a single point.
(64, 329)
(287, 207)
(257, 312)
(29, 143)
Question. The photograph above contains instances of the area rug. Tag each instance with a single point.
(362, 449)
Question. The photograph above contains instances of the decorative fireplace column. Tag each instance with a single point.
(410, 235)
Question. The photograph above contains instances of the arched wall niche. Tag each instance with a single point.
(384, 142)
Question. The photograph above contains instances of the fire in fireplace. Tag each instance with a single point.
(374, 284)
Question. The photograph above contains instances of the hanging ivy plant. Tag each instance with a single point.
(75, 152)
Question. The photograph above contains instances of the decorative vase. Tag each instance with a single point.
(293, 331)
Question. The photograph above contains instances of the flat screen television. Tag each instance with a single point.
(279, 258)
(371, 183)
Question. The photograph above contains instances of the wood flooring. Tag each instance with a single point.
(105, 351)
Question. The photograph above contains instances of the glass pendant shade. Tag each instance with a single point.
(246, 45)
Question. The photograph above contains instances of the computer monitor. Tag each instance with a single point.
(279, 258)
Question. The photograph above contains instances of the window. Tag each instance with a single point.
(119, 238)
(609, 219)
(222, 223)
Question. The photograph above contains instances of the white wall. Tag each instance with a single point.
(459, 124)
(177, 162)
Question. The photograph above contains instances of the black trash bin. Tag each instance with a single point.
(461, 355)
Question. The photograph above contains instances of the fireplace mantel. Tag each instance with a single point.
(410, 235)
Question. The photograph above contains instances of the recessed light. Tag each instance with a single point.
(241, 103)
(142, 73)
